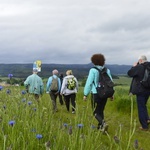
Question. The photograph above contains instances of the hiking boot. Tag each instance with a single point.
(148, 122)
(104, 129)
(143, 129)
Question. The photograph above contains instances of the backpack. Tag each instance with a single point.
(146, 79)
(54, 85)
(105, 84)
(71, 83)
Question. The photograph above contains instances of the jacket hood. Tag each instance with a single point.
(69, 76)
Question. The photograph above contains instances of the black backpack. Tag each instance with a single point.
(105, 84)
(146, 79)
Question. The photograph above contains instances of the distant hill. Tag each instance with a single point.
(79, 70)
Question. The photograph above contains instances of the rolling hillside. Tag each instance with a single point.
(79, 70)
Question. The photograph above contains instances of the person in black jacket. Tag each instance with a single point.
(142, 94)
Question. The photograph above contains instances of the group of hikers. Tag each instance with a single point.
(67, 87)
(57, 86)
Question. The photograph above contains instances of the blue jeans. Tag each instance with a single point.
(142, 109)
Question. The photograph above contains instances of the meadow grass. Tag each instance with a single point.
(36, 127)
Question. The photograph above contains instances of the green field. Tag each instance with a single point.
(35, 127)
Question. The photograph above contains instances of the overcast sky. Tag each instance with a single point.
(70, 31)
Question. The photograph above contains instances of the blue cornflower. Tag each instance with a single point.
(10, 76)
(1, 87)
(8, 91)
(65, 125)
(93, 127)
(4, 106)
(23, 92)
(11, 123)
(30, 102)
(34, 109)
(39, 136)
(80, 125)
(136, 144)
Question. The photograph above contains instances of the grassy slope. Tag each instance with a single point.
(38, 119)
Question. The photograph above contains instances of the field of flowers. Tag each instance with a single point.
(26, 124)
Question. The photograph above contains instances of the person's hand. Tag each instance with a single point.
(111, 98)
(135, 64)
(85, 98)
(130, 94)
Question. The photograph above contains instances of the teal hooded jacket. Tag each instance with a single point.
(34, 84)
(92, 80)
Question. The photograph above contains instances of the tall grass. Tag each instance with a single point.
(36, 127)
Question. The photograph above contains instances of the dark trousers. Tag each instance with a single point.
(53, 97)
(93, 104)
(99, 109)
(71, 98)
(61, 99)
(142, 109)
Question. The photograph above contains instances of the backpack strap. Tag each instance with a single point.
(99, 72)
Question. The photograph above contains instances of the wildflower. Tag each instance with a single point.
(0, 119)
(136, 145)
(33, 130)
(116, 139)
(82, 136)
(65, 125)
(34, 109)
(4, 106)
(23, 100)
(39, 136)
(8, 91)
(1, 87)
(70, 130)
(10, 76)
(23, 92)
(30, 102)
(47, 144)
(80, 125)
(11, 123)
(93, 127)
(9, 148)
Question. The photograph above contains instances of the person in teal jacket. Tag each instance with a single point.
(93, 77)
(34, 84)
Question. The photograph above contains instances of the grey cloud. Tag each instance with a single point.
(71, 31)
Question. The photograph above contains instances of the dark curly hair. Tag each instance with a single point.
(98, 59)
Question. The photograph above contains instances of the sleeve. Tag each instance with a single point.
(26, 82)
(42, 87)
(48, 84)
(63, 85)
(77, 84)
(134, 71)
(89, 82)
(109, 74)
(59, 84)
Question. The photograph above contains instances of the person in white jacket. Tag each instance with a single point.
(69, 89)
